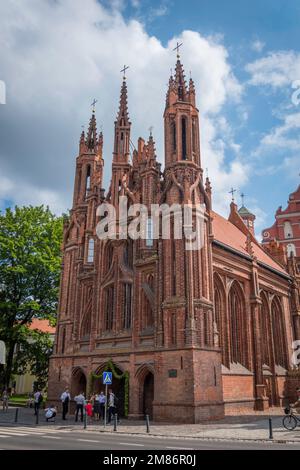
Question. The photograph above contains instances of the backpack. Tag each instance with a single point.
(40, 398)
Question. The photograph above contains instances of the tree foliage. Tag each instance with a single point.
(30, 261)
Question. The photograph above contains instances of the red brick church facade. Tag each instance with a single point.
(201, 333)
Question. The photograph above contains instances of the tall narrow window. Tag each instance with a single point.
(122, 143)
(173, 135)
(238, 337)
(278, 333)
(63, 341)
(88, 180)
(91, 248)
(183, 137)
(128, 254)
(127, 306)
(173, 329)
(194, 135)
(288, 231)
(149, 239)
(109, 308)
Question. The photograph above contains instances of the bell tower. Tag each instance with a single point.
(186, 327)
(182, 141)
(120, 164)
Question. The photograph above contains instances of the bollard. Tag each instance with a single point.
(115, 421)
(16, 415)
(84, 421)
(270, 429)
(147, 423)
(37, 416)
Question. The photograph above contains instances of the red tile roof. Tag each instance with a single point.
(42, 325)
(229, 235)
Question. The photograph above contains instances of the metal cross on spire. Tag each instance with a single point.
(243, 197)
(150, 130)
(232, 191)
(177, 49)
(93, 105)
(124, 70)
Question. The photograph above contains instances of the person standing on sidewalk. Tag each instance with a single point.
(102, 401)
(5, 398)
(111, 405)
(65, 399)
(80, 401)
(38, 399)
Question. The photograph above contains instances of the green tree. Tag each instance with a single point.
(30, 262)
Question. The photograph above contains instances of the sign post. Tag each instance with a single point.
(107, 380)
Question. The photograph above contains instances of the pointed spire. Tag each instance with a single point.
(91, 139)
(123, 117)
(82, 146)
(180, 81)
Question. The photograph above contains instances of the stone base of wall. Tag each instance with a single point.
(189, 414)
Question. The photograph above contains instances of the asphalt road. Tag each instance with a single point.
(25, 438)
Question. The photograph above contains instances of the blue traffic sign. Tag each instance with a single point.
(107, 378)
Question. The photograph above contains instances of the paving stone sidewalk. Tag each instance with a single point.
(242, 427)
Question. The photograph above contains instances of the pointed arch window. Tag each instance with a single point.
(183, 137)
(173, 135)
(63, 341)
(91, 249)
(88, 179)
(238, 327)
(278, 331)
(194, 135)
(288, 230)
(122, 143)
(266, 336)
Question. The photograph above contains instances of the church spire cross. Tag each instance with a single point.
(150, 130)
(93, 104)
(232, 191)
(177, 49)
(124, 70)
(243, 197)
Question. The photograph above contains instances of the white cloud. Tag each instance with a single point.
(257, 45)
(277, 69)
(56, 56)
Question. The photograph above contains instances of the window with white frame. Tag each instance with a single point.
(288, 231)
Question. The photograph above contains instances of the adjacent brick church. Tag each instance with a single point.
(200, 333)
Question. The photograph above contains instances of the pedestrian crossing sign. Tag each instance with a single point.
(107, 378)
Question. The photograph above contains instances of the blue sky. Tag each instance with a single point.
(244, 57)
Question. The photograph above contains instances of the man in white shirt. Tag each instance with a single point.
(65, 399)
(80, 402)
(50, 413)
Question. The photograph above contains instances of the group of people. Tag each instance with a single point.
(94, 407)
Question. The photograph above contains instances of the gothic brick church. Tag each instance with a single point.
(200, 333)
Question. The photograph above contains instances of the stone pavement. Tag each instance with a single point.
(243, 427)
